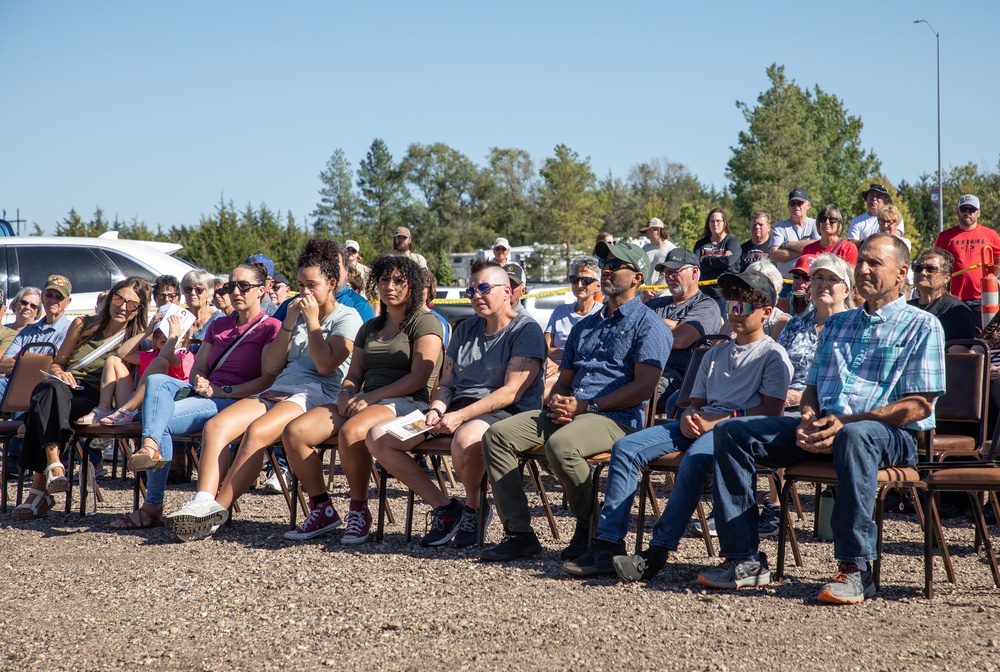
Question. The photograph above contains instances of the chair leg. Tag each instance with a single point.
(4, 468)
(382, 487)
(595, 510)
(410, 497)
(654, 502)
(703, 519)
(483, 503)
(293, 510)
(935, 521)
(640, 523)
(449, 473)
(436, 464)
(783, 496)
(928, 553)
(540, 487)
(987, 544)
(879, 512)
(378, 481)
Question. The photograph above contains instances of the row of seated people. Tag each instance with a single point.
(321, 375)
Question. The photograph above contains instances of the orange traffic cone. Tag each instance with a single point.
(990, 298)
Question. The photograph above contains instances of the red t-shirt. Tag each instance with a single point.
(967, 248)
(845, 251)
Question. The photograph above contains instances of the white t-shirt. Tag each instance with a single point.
(562, 320)
(784, 232)
(657, 254)
(865, 225)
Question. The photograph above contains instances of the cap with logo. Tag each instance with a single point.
(798, 194)
(515, 273)
(261, 260)
(627, 252)
(60, 283)
(678, 258)
(402, 231)
(969, 199)
(804, 263)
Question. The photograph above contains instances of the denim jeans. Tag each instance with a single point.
(860, 449)
(163, 417)
(633, 452)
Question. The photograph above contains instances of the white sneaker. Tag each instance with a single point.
(273, 487)
(196, 520)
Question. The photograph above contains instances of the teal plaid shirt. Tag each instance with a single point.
(864, 362)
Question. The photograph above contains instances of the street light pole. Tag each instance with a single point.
(937, 35)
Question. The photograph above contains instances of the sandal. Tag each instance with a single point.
(54, 484)
(35, 508)
(147, 458)
(119, 416)
(137, 520)
(93, 417)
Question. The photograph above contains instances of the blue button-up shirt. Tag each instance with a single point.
(864, 362)
(604, 352)
(40, 332)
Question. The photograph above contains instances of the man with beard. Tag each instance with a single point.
(687, 311)
(609, 369)
(402, 246)
(966, 242)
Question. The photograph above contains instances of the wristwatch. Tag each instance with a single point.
(227, 390)
(592, 406)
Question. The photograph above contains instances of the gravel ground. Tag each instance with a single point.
(79, 596)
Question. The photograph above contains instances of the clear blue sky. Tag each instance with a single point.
(156, 110)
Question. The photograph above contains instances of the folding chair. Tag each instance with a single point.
(962, 412)
(29, 370)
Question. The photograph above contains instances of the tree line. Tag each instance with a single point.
(795, 137)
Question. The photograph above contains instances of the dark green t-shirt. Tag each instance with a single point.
(385, 362)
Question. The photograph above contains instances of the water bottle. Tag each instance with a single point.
(824, 515)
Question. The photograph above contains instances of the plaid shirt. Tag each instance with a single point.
(864, 362)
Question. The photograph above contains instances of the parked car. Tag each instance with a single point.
(91, 264)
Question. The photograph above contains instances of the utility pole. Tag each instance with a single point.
(937, 35)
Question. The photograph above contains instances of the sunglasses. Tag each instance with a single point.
(926, 268)
(832, 220)
(743, 308)
(119, 300)
(582, 279)
(197, 290)
(54, 296)
(615, 264)
(164, 297)
(800, 276)
(967, 208)
(232, 286)
(483, 288)
(29, 304)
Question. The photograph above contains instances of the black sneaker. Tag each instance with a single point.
(468, 527)
(442, 524)
(642, 566)
(516, 545)
(596, 561)
(769, 522)
(578, 545)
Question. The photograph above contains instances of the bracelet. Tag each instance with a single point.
(288, 330)
(434, 410)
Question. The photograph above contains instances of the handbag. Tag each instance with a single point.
(188, 391)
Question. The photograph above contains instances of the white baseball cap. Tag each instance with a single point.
(352, 245)
(501, 242)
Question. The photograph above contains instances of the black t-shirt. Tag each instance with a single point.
(752, 253)
(955, 317)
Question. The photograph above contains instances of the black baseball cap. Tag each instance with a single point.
(678, 258)
(754, 280)
(798, 194)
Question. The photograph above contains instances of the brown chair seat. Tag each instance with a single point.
(823, 470)
(964, 478)
(668, 461)
(948, 443)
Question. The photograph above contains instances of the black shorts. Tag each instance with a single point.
(490, 418)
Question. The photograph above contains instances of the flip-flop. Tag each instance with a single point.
(137, 520)
(143, 461)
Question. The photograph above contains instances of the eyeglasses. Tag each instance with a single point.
(164, 296)
(800, 276)
(669, 272)
(29, 304)
(499, 247)
(743, 308)
(883, 222)
(197, 290)
(926, 268)
(54, 296)
(242, 285)
(483, 288)
(615, 264)
(831, 220)
(967, 208)
(582, 279)
(829, 280)
(119, 300)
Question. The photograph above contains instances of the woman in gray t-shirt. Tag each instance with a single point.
(491, 371)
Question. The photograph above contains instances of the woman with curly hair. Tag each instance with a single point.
(395, 357)
(74, 388)
(309, 357)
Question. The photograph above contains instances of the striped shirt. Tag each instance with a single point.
(864, 362)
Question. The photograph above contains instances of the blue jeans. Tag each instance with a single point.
(630, 454)
(860, 449)
(162, 417)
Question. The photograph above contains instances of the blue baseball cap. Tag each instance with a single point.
(260, 259)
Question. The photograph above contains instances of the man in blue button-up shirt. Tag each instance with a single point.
(870, 391)
(610, 367)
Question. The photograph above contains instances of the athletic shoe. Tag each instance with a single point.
(271, 484)
(769, 522)
(579, 544)
(516, 545)
(696, 526)
(642, 566)
(850, 585)
(737, 573)
(195, 520)
(598, 560)
(322, 519)
(359, 526)
(442, 524)
(468, 527)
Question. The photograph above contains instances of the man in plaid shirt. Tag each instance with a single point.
(871, 390)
